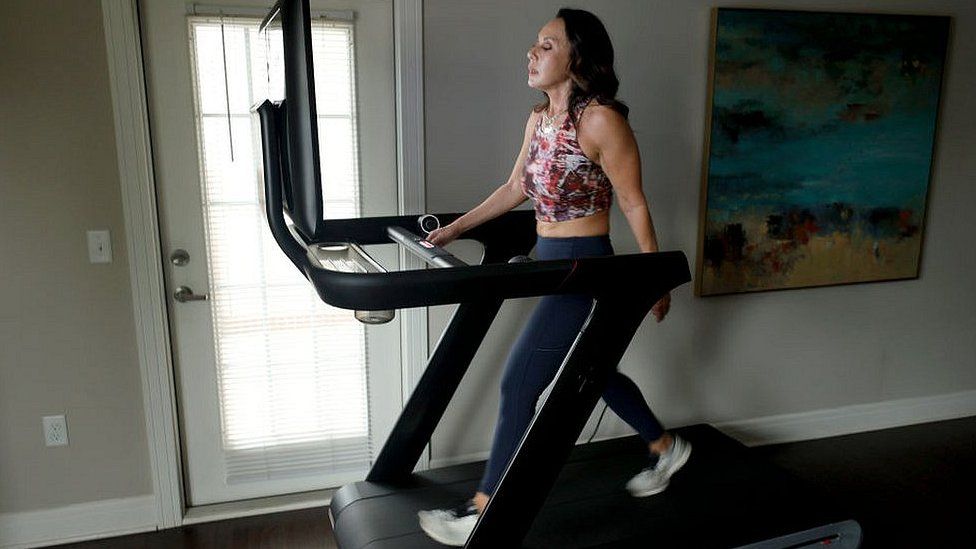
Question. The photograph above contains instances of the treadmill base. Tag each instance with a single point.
(723, 497)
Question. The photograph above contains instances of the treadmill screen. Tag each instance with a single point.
(287, 30)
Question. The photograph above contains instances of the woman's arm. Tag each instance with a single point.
(505, 197)
(608, 138)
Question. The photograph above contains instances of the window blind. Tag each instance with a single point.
(292, 371)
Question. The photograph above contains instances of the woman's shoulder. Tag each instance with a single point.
(599, 118)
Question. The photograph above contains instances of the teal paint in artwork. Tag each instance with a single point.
(820, 113)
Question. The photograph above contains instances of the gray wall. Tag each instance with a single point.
(720, 358)
(66, 340)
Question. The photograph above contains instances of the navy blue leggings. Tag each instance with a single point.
(538, 354)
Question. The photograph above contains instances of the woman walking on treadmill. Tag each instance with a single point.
(577, 150)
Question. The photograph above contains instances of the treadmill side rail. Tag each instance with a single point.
(424, 249)
(842, 535)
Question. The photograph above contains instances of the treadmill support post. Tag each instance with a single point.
(445, 369)
(551, 436)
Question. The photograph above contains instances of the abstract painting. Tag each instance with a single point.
(819, 148)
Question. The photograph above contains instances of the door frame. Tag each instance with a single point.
(135, 163)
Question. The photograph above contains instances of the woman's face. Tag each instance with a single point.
(549, 57)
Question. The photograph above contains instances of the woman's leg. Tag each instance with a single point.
(625, 399)
(531, 366)
(537, 356)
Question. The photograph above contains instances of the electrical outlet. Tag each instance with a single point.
(55, 430)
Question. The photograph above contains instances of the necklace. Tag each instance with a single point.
(548, 126)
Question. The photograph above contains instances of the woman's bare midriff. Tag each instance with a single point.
(597, 224)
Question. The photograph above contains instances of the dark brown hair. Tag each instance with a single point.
(590, 63)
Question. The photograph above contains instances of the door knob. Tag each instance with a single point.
(184, 294)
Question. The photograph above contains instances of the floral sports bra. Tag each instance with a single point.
(561, 181)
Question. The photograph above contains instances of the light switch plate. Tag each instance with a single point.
(99, 246)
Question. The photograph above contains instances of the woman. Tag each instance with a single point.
(578, 149)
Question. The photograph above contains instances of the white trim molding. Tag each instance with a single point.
(79, 522)
(127, 80)
(848, 420)
(409, 58)
(408, 23)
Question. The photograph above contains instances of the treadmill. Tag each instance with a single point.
(553, 493)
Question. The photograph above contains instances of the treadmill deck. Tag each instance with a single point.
(723, 497)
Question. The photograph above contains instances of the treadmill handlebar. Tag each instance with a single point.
(625, 277)
(633, 277)
(424, 249)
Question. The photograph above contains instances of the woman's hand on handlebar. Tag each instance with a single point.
(444, 235)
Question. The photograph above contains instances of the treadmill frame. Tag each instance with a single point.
(620, 286)
(617, 312)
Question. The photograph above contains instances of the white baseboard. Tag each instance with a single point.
(816, 424)
(79, 522)
(848, 420)
(118, 517)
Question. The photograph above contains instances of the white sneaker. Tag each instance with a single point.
(450, 526)
(653, 480)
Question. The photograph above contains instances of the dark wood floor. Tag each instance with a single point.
(909, 487)
(303, 529)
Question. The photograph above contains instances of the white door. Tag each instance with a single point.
(278, 393)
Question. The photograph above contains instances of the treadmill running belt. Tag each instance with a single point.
(723, 497)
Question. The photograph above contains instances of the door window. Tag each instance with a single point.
(291, 370)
